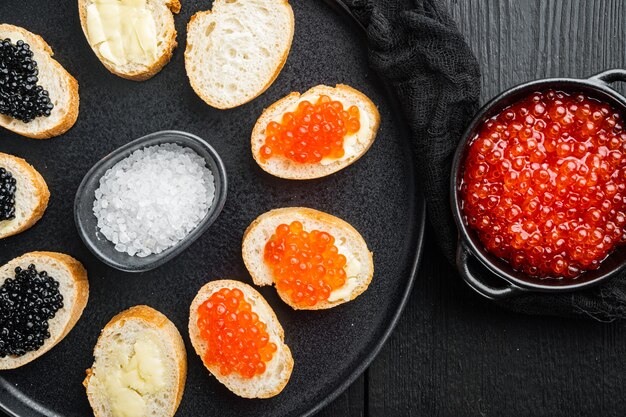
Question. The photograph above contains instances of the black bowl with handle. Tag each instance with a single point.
(487, 274)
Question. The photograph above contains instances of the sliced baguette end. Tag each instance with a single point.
(260, 386)
(264, 226)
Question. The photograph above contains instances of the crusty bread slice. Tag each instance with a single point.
(73, 286)
(349, 242)
(31, 195)
(118, 338)
(62, 87)
(286, 168)
(279, 368)
(163, 14)
(236, 50)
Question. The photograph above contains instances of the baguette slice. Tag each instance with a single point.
(119, 337)
(236, 51)
(74, 287)
(278, 370)
(349, 242)
(360, 142)
(31, 195)
(62, 87)
(163, 14)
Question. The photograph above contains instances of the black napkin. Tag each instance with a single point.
(417, 50)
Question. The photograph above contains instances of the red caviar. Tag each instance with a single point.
(544, 184)
(306, 265)
(312, 132)
(237, 340)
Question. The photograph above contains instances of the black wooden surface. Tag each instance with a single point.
(454, 354)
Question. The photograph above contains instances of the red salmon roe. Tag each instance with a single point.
(311, 132)
(237, 340)
(544, 184)
(305, 265)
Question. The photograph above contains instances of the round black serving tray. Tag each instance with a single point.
(378, 195)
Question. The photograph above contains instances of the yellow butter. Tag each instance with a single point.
(123, 31)
(131, 376)
(352, 267)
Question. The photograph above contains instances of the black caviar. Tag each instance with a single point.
(7, 195)
(27, 302)
(20, 96)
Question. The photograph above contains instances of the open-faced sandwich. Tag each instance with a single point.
(140, 366)
(239, 338)
(314, 134)
(315, 260)
(236, 50)
(24, 195)
(132, 38)
(38, 97)
(42, 296)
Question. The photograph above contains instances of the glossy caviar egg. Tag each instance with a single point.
(237, 339)
(306, 265)
(311, 132)
(544, 184)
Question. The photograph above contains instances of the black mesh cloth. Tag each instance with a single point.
(417, 50)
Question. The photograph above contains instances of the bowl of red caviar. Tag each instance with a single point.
(538, 188)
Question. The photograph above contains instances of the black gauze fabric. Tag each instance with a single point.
(417, 50)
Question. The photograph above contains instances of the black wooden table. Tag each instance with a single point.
(455, 354)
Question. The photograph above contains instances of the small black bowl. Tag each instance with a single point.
(86, 221)
(492, 277)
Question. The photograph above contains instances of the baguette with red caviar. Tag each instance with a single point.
(53, 274)
(30, 195)
(61, 87)
(322, 133)
(140, 366)
(338, 266)
(223, 310)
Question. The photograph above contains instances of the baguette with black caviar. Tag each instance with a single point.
(240, 340)
(311, 135)
(38, 97)
(140, 366)
(314, 259)
(24, 195)
(133, 39)
(42, 296)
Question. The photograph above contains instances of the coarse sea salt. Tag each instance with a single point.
(152, 199)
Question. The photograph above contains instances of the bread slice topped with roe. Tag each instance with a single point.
(133, 39)
(314, 259)
(24, 195)
(40, 96)
(240, 340)
(236, 50)
(311, 135)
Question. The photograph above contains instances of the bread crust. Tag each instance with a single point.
(279, 68)
(155, 320)
(320, 216)
(79, 275)
(69, 118)
(41, 188)
(199, 345)
(280, 106)
(150, 71)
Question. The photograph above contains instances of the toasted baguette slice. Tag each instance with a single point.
(236, 51)
(31, 195)
(359, 142)
(348, 241)
(62, 87)
(73, 286)
(163, 14)
(278, 369)
(118, 340)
